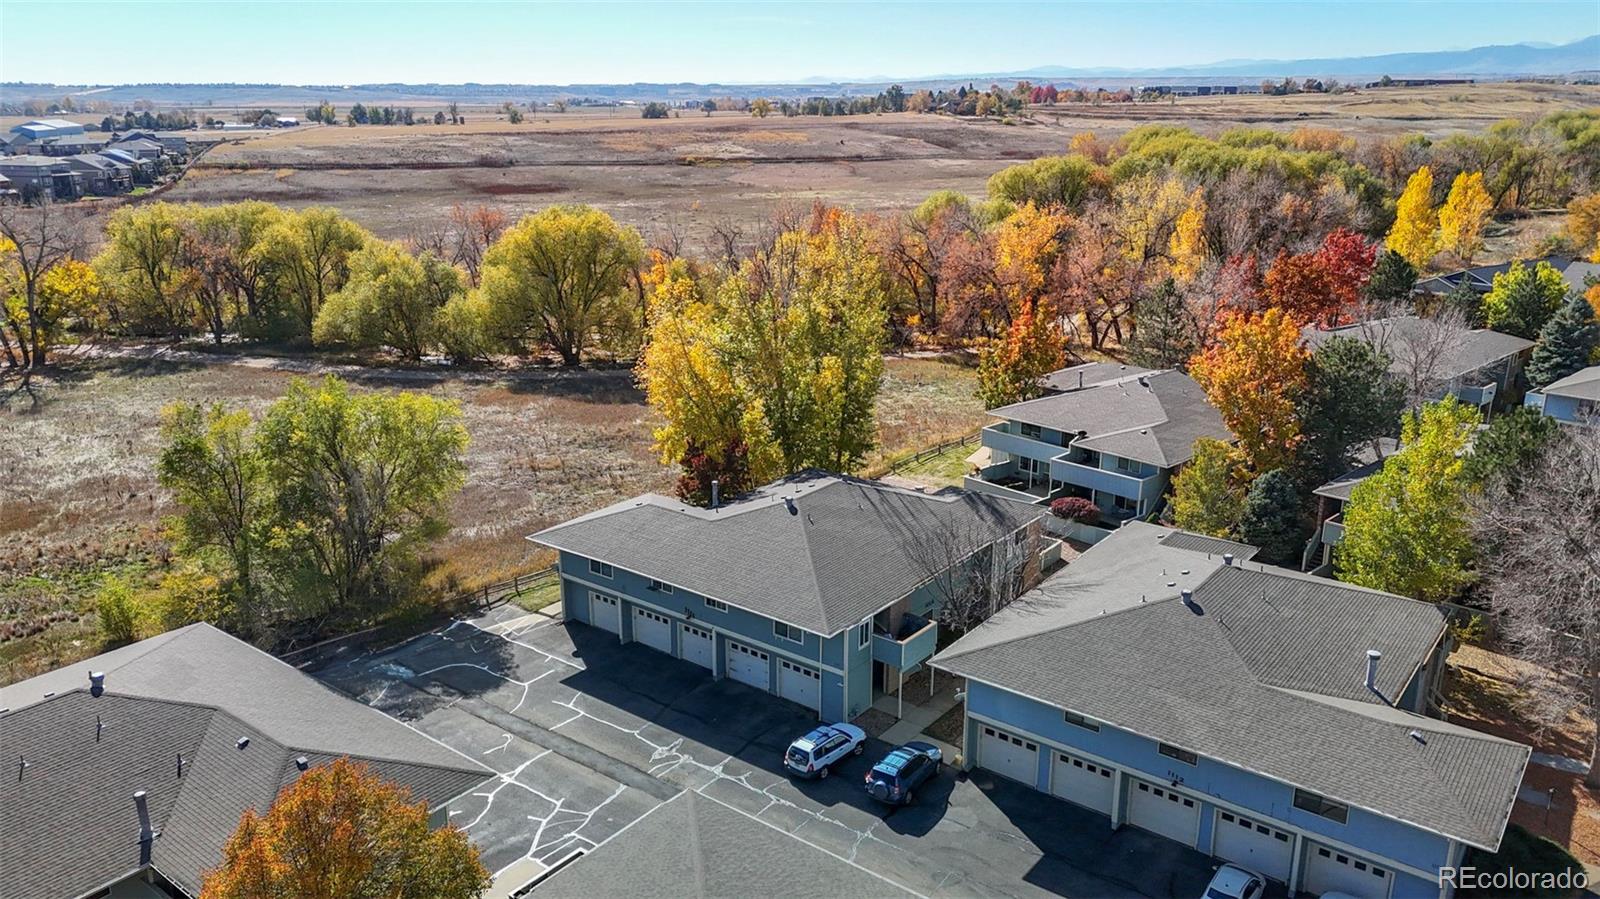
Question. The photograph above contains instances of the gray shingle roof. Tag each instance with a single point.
(69, 825)
(1265, 671)
(1371, 460)
(1471, 350)
(1089, 374)
(849, 548)
(1152, 417)
(694, 846)
(1583, 384)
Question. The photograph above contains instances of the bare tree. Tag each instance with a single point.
(1542, 567)
(973, 573)
(1422, 348)
(38, 239)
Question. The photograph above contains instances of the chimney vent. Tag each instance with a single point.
(146, 834)
(1080, 379)
(97, 683)
(1417, 735)
(716, 493)
(242, 742)
(1373, 656)
(302, 762)
(788, 501)
(1188, 599)
(1227, 559)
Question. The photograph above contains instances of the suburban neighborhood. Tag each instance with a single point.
(533, 450)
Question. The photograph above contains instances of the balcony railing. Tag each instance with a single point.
(1333, 530)
(917, 644)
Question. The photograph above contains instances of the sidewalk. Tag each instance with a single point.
(918, 716)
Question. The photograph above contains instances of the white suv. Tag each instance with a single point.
(813, 754)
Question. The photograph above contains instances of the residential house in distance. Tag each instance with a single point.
(820, 588)
(1331, 500)
(131, 769)
(1261, 716)
(1477, 366)
(8, 191)
(42, 178)
(1573, 400)
(1111, 433)
(70, 145)
(102, 175)
(1481, 278)
(144, 170)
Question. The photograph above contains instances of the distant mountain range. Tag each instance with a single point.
(1493, 62)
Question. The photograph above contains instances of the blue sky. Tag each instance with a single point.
(343, 42)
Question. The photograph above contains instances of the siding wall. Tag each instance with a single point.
(1383, 840)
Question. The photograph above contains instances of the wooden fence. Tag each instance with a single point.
(923, 455)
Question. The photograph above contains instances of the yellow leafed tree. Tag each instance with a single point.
(1188, 245)
(1416, 223)
(1463, 216)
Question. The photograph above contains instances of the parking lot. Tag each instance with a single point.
(587, 736)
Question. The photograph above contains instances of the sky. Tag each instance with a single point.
(350, 42)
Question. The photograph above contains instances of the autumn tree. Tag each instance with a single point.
(391, 299)
(1463, 215)
(916, 245)
(559, 277)
(339, 831)
(1523, 298)
(1014, 370)
(1416, 223)
(34, 241)
(1408, 527)
(309, 253)
(1567, 343)
(1064, 181)
(1583, 225)
(1254, 376)
(150, 289)
(1187, 245)
(1206, 496)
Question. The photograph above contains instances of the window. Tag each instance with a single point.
(788, 632)
(863, 634)
(1182, 755)
(1316, 804)
(716, 604)
(601, 568)
(1125, 504)
(1079, 720)
(1032, 466)
(1033, 431)
(659, 587)
(1126, 464)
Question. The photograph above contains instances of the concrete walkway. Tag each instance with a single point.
(918, 716)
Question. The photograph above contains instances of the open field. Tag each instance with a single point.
(687, 175)
(82, 500)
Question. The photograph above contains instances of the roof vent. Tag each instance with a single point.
(302, 762)
(97, 683)
(1373, 657)
(1227, 559)
(242, 742)
(788, 501)
(1417, 735)
(716, 493)
(146, 832)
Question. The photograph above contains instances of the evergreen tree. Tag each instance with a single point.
(1350, 400)
(1566, 343)
(1524, 298)
(1510, 447)
(1392, 278)
(1271, 518)
(1165, 333)
(1468, 302)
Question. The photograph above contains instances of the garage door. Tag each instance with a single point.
(652, 629)
(697, 646)
(1328, 870)
(1165, 811)
(604, 613)
(748, 666)
(1256, 845)
(798, 683)
(1087, 783)
(1008, 755)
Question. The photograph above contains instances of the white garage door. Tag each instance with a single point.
(1009, 756)
(652, 629)
(604, 613)
(1078, 780)
(1254, 844)
(798, 683)
(748, 666)
(1165, 811)
(698, 647)
(1328, 870)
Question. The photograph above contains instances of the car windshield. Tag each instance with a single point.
(799, 756)
(1214, 893)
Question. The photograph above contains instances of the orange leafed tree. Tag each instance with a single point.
(1253, 375)
(340, 831)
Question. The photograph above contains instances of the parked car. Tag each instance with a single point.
(901, 771)
(1234, 882)
(815, 753)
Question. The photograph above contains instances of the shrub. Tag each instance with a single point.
(1526, 854)
(119, 608)
(1075, 508)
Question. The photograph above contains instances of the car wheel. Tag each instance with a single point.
(860, 748)
(823, 773)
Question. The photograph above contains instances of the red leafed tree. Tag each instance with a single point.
(1347, 259)
(1323, 286)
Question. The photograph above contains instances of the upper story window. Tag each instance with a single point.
(788, 632)
(660, 587)
(1079, 720)
(1317, 804)
(1126, 464)
(601, 568)
(1182, 755)
(1028, 430)
(863, 634)
(716, 604)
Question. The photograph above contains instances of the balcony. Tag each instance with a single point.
(1333, 530)
(1105, 480)
(1477, 395)
(998, 437)
(913, 646)
(1009, 487)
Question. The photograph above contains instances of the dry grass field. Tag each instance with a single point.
(686, 175)
(82, 501)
